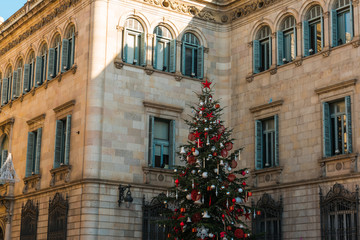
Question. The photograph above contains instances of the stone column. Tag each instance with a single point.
(149, 49)
(299, 43)
(178, 57)
(356, 19)
(119, 43)
(327, 30)
(249, 76)
(273, 51)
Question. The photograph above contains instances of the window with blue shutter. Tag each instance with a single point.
(192, 56)
(162, 144)
(337, 127)
(51, 64)
(134, 43)
(267, 142)
(62, 142)
(4, 149)
(289, 39)
(313, 40)
(14, 85)
(33, 153)
(342, 22)
(262, 50)
(280, 47)
(4, 91)
(65, 61)
(70, 37)
(164, 58)
(41, 66)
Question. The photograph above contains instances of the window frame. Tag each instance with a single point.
(262, 50)
(337, 30)
(29, 73)
(62, 141)
(139, 58)
(68, 50)
(197, 56)
(169, 52)
(287, 41)
(33, 152)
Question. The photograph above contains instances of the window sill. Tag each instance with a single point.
(267, 176)
(119, 64)
(31, 183)
(60, 175)
(338, 165)
(158, 176)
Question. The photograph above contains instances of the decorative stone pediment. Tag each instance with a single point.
(339, 191)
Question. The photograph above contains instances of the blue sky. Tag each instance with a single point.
(9, 7)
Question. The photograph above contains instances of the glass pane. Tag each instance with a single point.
(347, 27)
(161, 130)
(337, 107)
(131, 48)
(339, 135)
(344, 134)
(188, 61)
(160, 56)
(318, 37)
(157, 150)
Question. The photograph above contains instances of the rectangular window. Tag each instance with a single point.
(266, 143)
(62, 142)
(337, 128)
(33, 153)
(162, 142)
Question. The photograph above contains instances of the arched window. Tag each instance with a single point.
(41, 60)
(134, 49)
(192, 56)
(286, 41)
(54, 57)
(18, 76)
(57, 219)
(6, 86)
(164, 50)
(342, 24)
(29, 68)
(68, 49)
(4, 148)
(313, 31)
(267, 222)
(262, 50)
(339, 213)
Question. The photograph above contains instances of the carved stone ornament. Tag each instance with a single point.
(298, 62)
(326, 53)
(60, 175)
(118, 63)
(250, 78)
(178, 77)
(149, 71)
(273, 71)
(31, 183)
(356, 44)
(336, 192)
(267, 202)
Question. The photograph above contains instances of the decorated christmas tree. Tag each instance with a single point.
(208, 200)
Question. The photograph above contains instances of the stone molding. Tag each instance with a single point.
(338, 165)
(6, 125)
(158, 176)
(161, 106)
(60, 174)
(267, 176)
(64, 106)
(336, 86)
(265, 106)
(36, 121)
(31, 183)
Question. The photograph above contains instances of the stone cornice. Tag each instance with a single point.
(336, 86)
(36, 119)
(16, 20)
(64, 106)
(162, 106)
(266, 106)
(9, 121)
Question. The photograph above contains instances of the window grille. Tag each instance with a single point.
(29, 219)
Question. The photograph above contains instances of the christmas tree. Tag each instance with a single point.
(208, 200)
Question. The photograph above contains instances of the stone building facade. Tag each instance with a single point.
(94, 93)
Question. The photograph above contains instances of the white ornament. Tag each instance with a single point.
(206, 215)
(240, 190)
(196, 152)
(202, 232)
(211, 235)
(201, 103)
(205, 175)
(182, 151)
(212, 186)
(215, 170)
(213, 148)
(238, 200)
(193, 171)
(229, 169)
(188, 197)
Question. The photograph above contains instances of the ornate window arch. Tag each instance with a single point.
(134, 48)
(268, 224)
(313, 30)
(286, 40)
(262, 50)
(164, 49)
(29, 220)
(68, 49)
(58, 214)
(339, 213)
(192, 56)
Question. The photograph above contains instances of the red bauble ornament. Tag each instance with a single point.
(243, 173)
(191, 159)
(214, 154)
(196, 218)
(233, 200)
(195, 196)
(244, 183)
(231, 177)
(239, 233)
(182, 224)
(228, 146)
(177, 182)
(233, 164)
(249, 194)
(224, 153)
(258, 213)
(191, 137)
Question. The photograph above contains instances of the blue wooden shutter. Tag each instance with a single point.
(143, 49)
(295, 42)
(15, 79)
(38, 71)
(256, 56)
(18, 82)
(326, 130)
(4, 91)
(156, 45)
(280, 47)
(200, 63)
(351, 20)
(67, 139)
(334, 30)
(258, 145)
(65, 55)
(183, 58)
(276, 121)
(172, 147)
(322, 32)
(348, 124)
(306, 39)
(26, 84)
(172, 62)
(125, 46)
(30, 154)
(38, 151)
(51, 64)
(151, 141)
(58, 143)
(4, 155)
(72, 54)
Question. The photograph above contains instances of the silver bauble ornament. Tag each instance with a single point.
(240, 190)
(213, 186)
(188, 197)
(204, 174)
